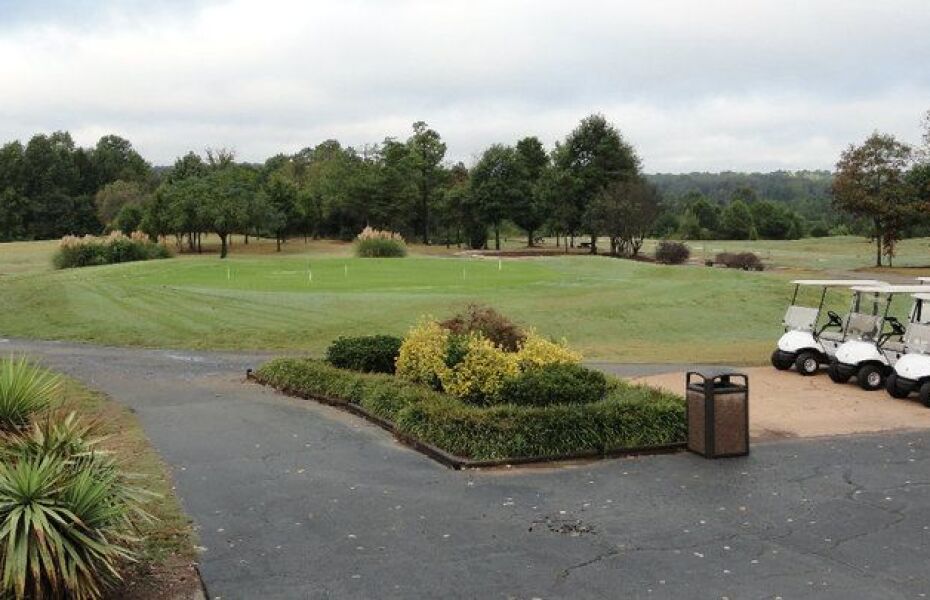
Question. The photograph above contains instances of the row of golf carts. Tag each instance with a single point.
(868, 343)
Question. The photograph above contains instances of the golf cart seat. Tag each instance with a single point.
(894, 346)
(833, 336)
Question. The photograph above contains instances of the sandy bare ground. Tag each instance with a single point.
(785, 404)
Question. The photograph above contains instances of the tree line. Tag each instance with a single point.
(590, 183)
(586, 184)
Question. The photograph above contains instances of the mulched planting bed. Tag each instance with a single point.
(630, 419)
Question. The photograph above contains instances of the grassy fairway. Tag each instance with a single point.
(610, 309)
(302, 299)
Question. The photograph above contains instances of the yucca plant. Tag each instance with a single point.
(56, 433)
(67, 513)
(25, 389)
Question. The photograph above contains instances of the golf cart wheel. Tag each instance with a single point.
(836, 374)
(782, 360)
(807, 364)
(896, 390)
(870, 377)
(925, 394)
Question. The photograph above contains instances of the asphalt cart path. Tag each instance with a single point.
(297, 500)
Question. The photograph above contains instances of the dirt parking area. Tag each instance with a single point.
(787, 405)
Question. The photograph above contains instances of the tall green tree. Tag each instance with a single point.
(530, 210)
(498, 181)
(593, 156)
(624, 211)
(871, 183)
(227, 194)
(427, 151)
(736, 222)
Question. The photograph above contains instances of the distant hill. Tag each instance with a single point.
(807, 192)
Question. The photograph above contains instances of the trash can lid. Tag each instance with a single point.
(720, 376)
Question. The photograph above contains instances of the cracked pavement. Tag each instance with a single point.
(297, 500)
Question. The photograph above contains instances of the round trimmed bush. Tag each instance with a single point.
(672, 253)
(560, 383)
(369, 354)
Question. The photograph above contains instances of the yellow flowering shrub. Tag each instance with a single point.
(481, 374)
(423, 352)
(537, 351)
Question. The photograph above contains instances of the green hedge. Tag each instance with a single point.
(369, 353)
(629, 416)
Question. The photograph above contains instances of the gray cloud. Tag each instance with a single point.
(713, 85)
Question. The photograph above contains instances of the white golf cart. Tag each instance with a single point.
(873, 338)
(912, 371)
(805, 344)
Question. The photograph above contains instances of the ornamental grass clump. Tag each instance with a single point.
(87, 251)
(378, 243)
(25, 390)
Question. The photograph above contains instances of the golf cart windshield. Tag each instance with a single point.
(863, 326)
(801, 317)
(917, 337)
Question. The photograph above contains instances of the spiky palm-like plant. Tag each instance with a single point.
(67, 514)
(25, 389)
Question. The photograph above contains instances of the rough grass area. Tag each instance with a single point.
(165, 569)
(630, 416)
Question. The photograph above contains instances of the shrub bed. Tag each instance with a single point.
(369, 354)
(91, 251)
(555, 384)
(628, 416)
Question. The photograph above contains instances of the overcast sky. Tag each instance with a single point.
(693, 84)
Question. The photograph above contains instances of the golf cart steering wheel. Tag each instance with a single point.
(834, 318)
(896, 327)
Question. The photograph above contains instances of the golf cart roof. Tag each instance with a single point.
(839, 282)
(924, 279)
(925, 296)
(891, 289)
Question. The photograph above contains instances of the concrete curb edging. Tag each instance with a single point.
(460, 463)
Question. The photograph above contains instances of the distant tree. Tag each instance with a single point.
(129, 218)
(736, 221)
(773, 222)
(112, 197)
(593, 156)
(114, 158)
(707, 214)
(281, 196)
(427, 151)
(228, 192)
(689, 227)
(530, 210)
(189, 165)
(14, 215)
(454, 200)
(871, 183)
(498, 182)
(624, 211)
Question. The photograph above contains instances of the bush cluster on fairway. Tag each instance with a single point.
(375, 243)
(627, 416)
(672, 253)
(67, 511)
(369, 354)
(555, 384)
(91, 251)
(747, 261)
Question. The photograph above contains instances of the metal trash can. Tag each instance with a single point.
(718, 413)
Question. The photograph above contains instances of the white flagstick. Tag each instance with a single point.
(346, 269)
(228, 274)
(500, 265)
(309, 276)
(463, 273)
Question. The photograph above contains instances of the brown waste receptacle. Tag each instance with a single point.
(718, 413)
